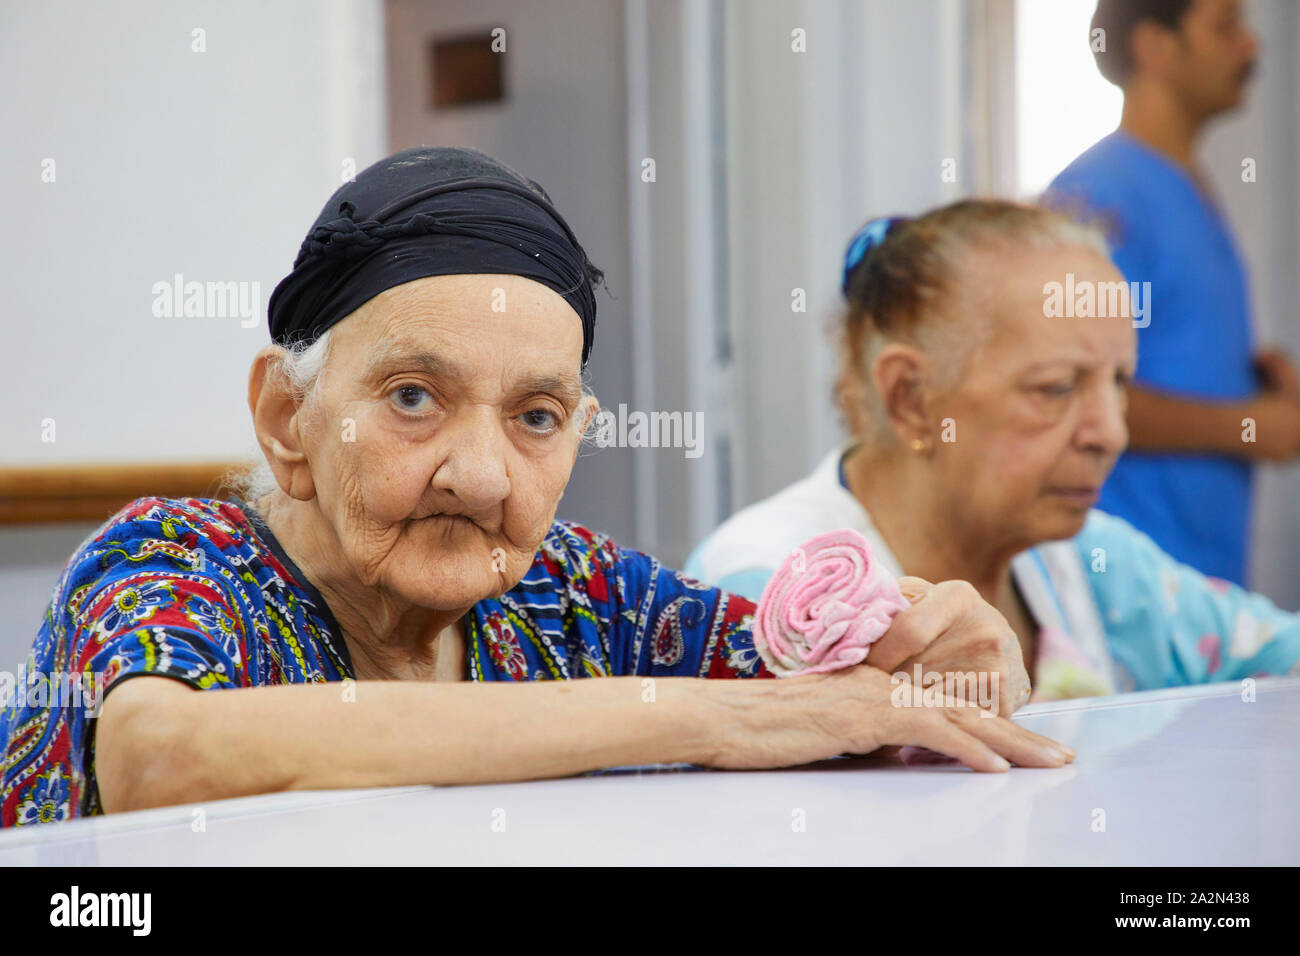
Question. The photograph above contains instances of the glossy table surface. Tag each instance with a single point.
(1183, 776)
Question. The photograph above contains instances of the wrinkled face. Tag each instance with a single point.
(442, 433)
(1214, 57)
(1038, 413)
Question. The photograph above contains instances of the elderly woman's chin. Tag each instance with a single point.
(434, 569)
(1063, 514)
(445, 584)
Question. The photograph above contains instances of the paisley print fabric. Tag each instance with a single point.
(200, 591)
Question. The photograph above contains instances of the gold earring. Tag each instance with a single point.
(918, 444)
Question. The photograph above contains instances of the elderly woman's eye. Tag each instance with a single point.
(411, 398)
(540, 419)
(1057, 389)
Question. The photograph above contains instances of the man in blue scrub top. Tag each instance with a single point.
(1186, 479)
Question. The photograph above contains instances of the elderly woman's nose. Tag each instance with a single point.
(1103, 424)
(474, 468)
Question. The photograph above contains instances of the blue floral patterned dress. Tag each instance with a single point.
(201, 591)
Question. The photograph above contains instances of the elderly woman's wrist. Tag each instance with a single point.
(734, 713)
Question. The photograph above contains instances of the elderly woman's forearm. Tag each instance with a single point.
(397, 733)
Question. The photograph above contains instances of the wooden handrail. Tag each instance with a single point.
(93, 492)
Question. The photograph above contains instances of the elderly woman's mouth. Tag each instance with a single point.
(451, 521)
(1083, 496)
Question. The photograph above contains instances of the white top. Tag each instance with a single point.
(749, 546)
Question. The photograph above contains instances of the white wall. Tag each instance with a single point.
(818, 142)
(212, 165)
(679, 284)
(168, 161)
(1265, 215)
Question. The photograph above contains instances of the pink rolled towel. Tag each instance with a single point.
(825, 606)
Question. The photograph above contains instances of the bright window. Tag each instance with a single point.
(1063, 105)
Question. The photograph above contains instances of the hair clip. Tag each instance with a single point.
(868, 237)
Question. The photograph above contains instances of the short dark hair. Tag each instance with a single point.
(1117, 19)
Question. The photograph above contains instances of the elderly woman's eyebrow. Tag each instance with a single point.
(396, 358)
(565, 387)
(1060, 361)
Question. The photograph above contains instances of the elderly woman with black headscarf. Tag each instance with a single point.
(365, 606)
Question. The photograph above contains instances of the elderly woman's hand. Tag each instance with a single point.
(950, 629)
(858, 710)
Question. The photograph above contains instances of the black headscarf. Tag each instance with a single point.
(429, 211)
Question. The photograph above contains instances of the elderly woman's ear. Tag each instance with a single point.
(275, 410)
(584, 416)
(901, 373)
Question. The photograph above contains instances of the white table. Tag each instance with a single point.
(1185, 776)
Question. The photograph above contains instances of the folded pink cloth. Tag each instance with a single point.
(825, 606)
